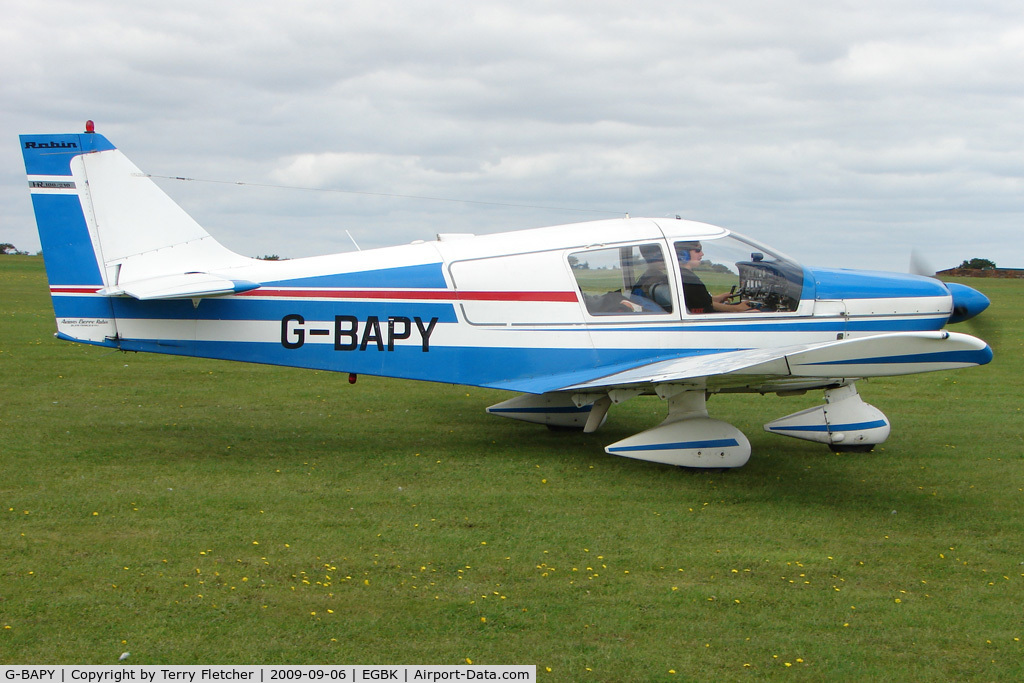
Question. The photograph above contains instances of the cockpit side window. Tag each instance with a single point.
(623, 280)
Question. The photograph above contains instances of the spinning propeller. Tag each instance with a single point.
(968, 303)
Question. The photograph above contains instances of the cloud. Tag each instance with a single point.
(827, 129)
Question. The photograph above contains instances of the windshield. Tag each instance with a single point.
(746, 271)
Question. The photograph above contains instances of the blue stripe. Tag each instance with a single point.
(980, 357)
(835, 325)
(833, 428)
(426, 276)
(915, 325)
(243, 309)
(532, 370)
(679, 445)
(67, 248)
(81, 307)
(553, 409)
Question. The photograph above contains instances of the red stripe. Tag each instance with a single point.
(398, 294)
(418, 294)
(70, 289)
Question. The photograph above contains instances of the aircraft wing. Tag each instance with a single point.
(800, 366)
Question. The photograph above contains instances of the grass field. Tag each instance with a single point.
(191, 511)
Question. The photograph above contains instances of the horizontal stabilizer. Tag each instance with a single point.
(180, 286)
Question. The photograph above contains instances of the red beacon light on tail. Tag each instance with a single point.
(90, 127)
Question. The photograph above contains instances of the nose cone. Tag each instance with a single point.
(967, 302)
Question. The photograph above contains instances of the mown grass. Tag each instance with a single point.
(193, 511)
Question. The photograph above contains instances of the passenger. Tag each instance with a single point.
(695, 293)
(653, 284)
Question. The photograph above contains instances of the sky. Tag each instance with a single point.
(845, 134)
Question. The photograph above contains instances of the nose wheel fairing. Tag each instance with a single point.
(844, 423)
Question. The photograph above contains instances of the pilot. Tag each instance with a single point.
(695, 293)
(653, 284)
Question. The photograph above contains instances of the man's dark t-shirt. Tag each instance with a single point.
(695, 294)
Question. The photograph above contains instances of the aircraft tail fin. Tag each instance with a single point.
(104, 225)
(67, 240)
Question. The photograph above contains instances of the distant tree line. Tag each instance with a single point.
(576, 264)
(978, 264)
(8, 249)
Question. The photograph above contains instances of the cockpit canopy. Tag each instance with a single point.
(650, 277)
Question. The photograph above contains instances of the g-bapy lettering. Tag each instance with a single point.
(351, 334)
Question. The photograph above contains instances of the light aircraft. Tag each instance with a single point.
(574, 318)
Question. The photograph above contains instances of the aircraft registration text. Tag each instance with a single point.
(351, 334)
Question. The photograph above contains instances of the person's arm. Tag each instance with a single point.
(719, 304)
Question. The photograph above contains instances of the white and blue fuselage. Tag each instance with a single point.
(556, 313)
